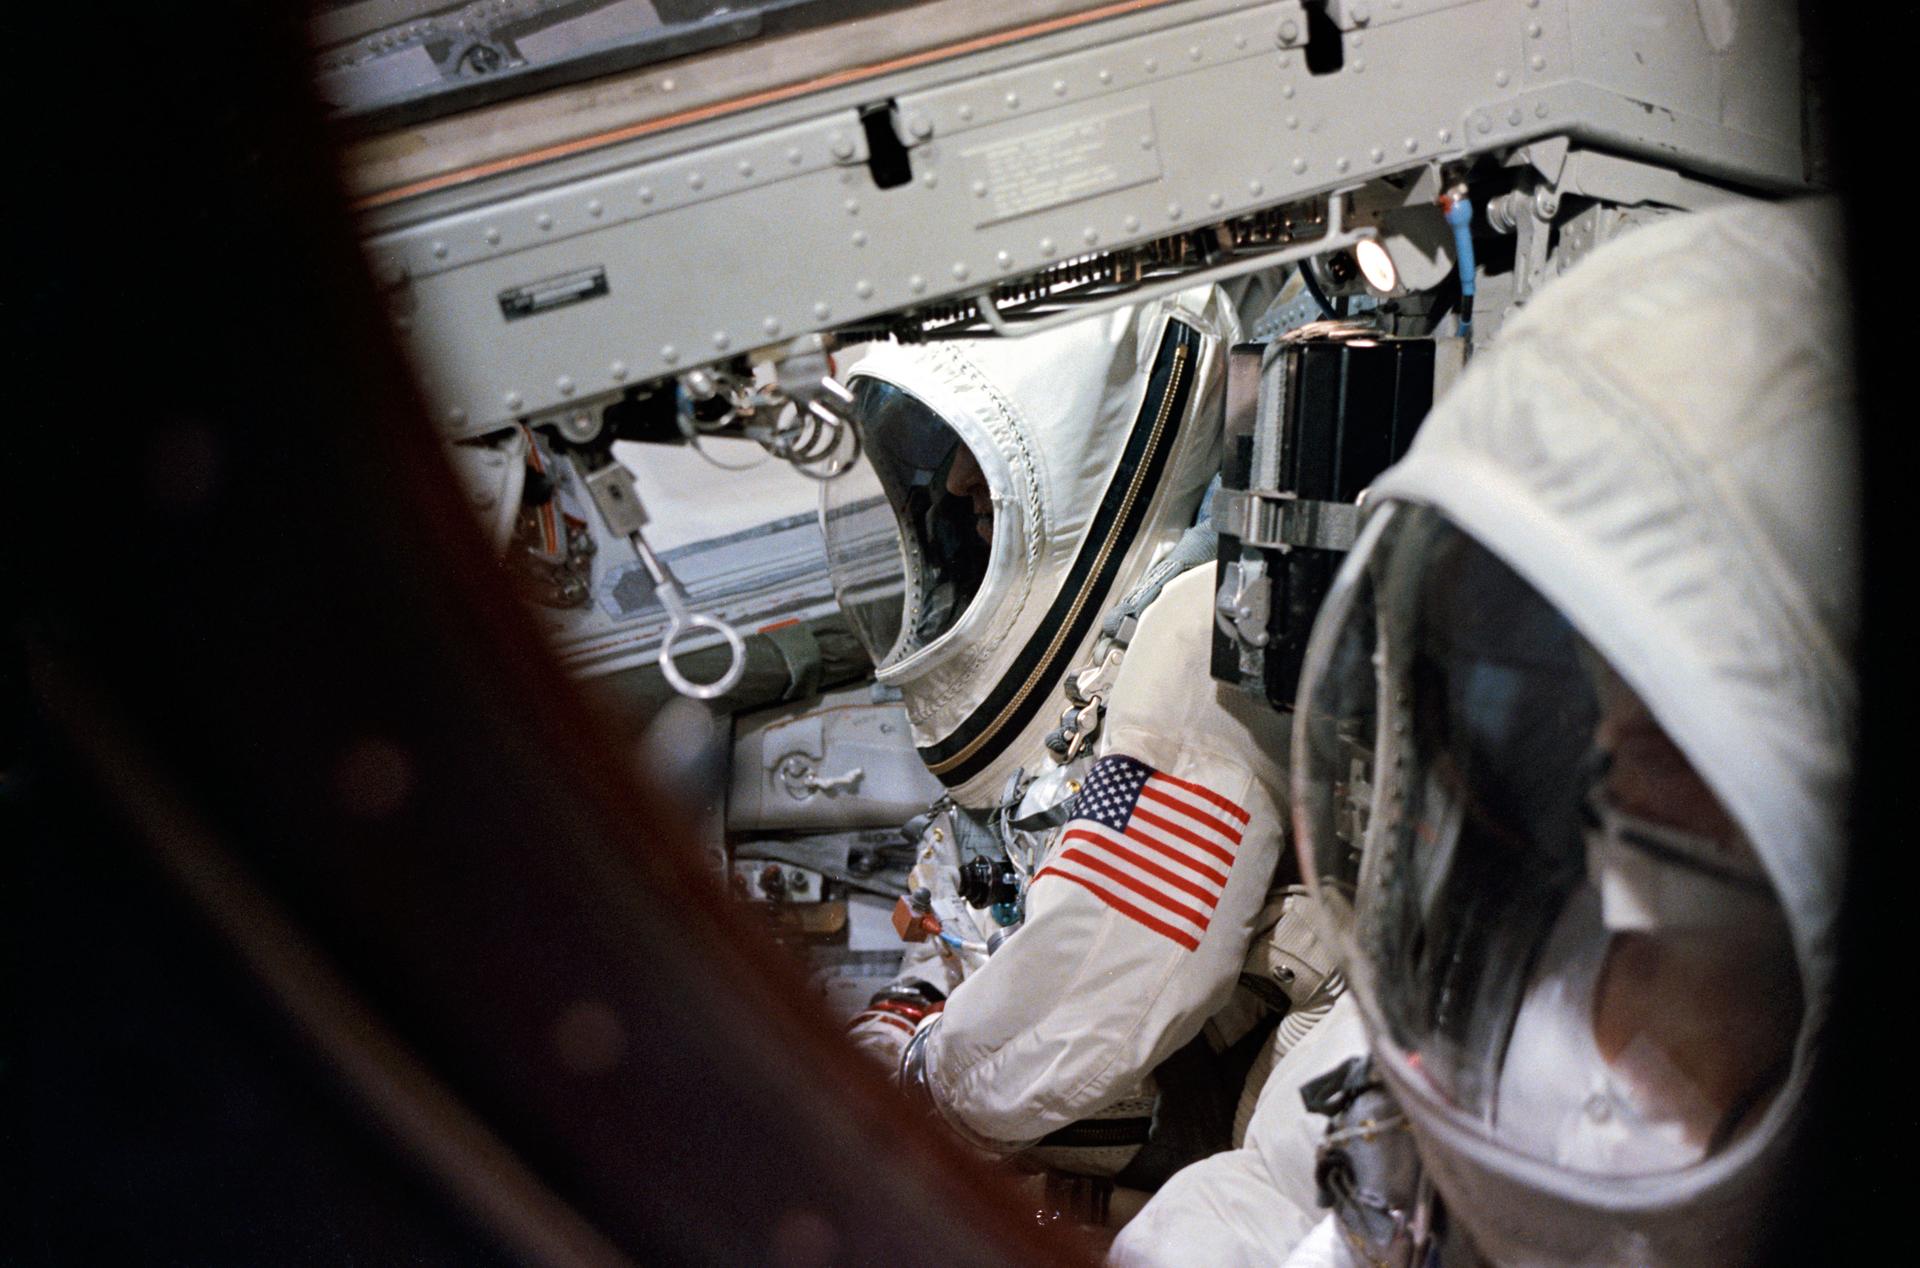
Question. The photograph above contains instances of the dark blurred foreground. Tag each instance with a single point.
(338, 930)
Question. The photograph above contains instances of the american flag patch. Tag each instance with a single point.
(1156, 849)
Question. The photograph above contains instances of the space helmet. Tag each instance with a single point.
(1573, 751)
(1025, 486)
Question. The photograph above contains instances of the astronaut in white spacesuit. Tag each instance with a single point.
(1571, 763)
(1121, 856)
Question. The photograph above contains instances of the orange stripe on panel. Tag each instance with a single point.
(565, 149)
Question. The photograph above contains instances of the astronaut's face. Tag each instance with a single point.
(1648, 776)
(1708, 1010)
(965, 480)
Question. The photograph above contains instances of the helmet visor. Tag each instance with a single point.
(907, 565)
(1544, 907)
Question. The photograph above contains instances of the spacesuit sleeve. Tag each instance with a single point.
(1140, 916)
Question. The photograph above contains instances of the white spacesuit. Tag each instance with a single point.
(1572, 759)
(1042, 489)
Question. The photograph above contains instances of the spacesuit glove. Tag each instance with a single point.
(882, 1028)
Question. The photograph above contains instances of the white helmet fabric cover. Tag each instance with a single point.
(1662, 447)
(1096, 441)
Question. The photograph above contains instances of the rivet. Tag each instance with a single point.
(821, 312)
(1059, 87)
(1193, 52)
(1513, 117)
(646, 194)
(859, 237)
(513, 400)
(1445, 135)
(1359, 66)
(1501, 78)
(456, 416)
(852, 205)
(916, 284)
(1132, 223)
(744, 168)
(1013, 100)
(960, 270)
(595, 207)
(1173, 211)
(1240, 40)
(544, 220)
(965, 112)
(1289, 32)
(493, 236)
(1376, 154)
(1256, 188)
(618, 370)
(1153, 65)
(1359, 13)
(1286, 90)
(863, 288)
(979, 189)
(696, 180)
(564, 385)
(771, 325)
(1090, 235)
(1411, 144)
(439, 250)
(722, 340)
(1286, 61)
(1293, 121)
(841, 147)
(1537, 62)
(1046, 246)
(669, 354)
(794, 156)
(921, 126)
(1533, 29)
(666, 85)
(1105, 76)
(930, 179)
(1299, 166)
(1482, 123)
(1340, 164)
(1004, 259)
(1146, 140)
(1539, 109)
(1215, 201)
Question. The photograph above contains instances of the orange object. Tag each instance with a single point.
(913, 925)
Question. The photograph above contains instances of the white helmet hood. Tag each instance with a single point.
(1097, 441)
(1663, 448)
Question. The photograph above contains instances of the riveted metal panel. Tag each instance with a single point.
(759, 234)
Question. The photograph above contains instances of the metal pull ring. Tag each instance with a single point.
(682, 621)
(677, 628)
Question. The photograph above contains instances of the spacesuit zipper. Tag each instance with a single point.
(1042, 671)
